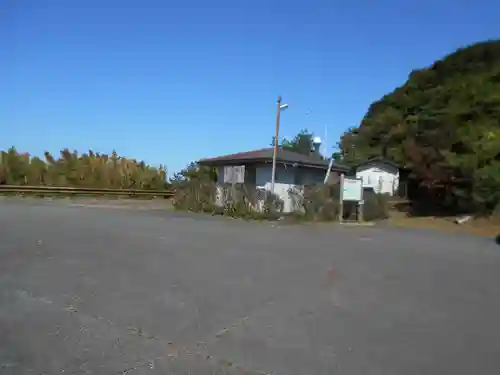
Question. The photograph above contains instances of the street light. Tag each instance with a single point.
(275, 150)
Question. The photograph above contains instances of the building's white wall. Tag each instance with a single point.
(284, 181)
(382, 177)
(288, 178)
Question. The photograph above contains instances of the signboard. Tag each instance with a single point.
(234, 174)
(352, 189)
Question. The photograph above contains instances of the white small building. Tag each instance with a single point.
(381, 175)
(293, 171)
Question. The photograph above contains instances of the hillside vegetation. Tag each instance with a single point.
(443, 124)
(91, 170)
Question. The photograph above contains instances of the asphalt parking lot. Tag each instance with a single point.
(117, 291)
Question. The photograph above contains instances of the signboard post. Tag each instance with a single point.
(351, 190)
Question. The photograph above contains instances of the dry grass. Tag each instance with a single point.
(479, 227)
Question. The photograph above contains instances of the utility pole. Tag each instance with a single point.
(275, 151)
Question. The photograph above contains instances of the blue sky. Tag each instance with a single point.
(170, 83)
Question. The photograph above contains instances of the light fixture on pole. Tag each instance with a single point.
(276, 138)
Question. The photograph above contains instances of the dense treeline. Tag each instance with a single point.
(443, 124)
(90, 169)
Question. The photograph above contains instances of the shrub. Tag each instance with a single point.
(235, 201)
(313, 203)
(196, 196)
(495, 214)
(375, 206)
(316, 202)
(321, 203)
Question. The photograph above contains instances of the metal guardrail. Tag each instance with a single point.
(59, 190)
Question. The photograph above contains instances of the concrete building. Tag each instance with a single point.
(381, 175)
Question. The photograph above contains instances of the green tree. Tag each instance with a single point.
(443, 124)
(194, 172)
(301, 143)
(72, 169)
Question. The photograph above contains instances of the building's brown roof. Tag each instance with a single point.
(266, 155)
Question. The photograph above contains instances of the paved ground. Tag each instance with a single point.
(111, 291)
